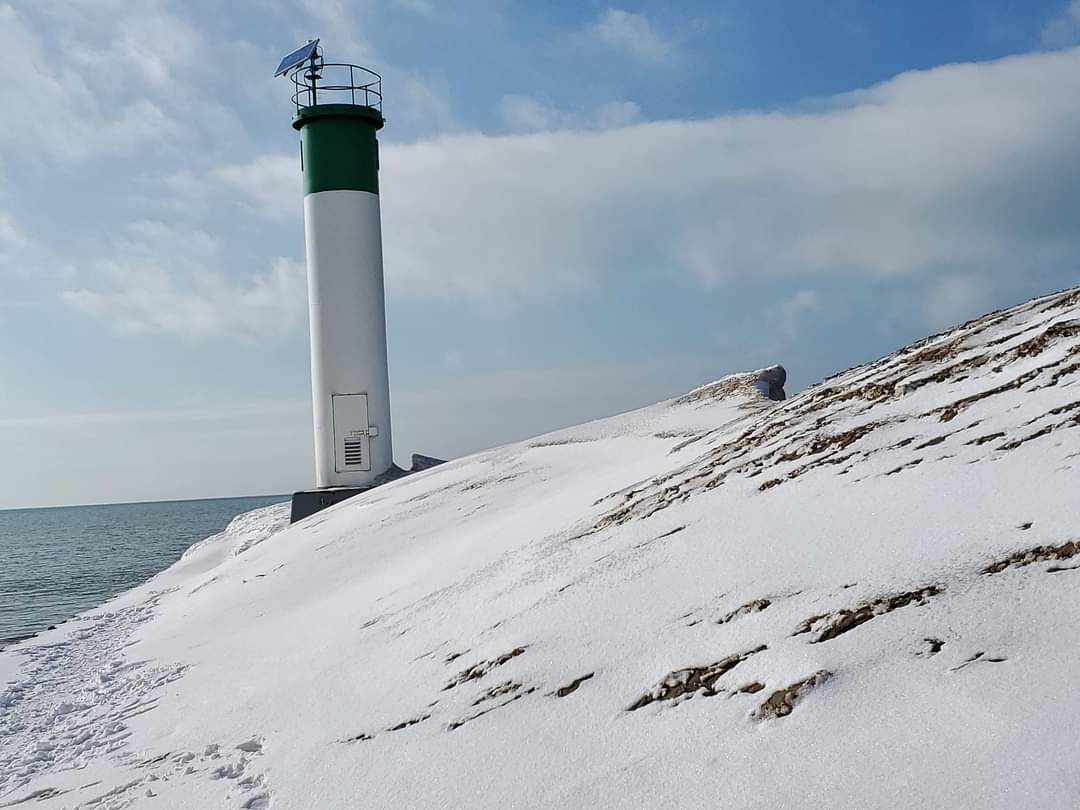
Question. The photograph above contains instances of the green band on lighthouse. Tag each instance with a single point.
(339, 147)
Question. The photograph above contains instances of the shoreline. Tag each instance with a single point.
(146, 551)
(105, 504)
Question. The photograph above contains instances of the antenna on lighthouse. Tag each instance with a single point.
(305, 53)
(338, 111)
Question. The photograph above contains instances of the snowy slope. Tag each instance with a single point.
(865, 596)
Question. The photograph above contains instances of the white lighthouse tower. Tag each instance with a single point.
(338, 111)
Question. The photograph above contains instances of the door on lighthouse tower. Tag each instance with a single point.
(352, 433)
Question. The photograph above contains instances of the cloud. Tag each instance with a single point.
(423, 8)
(792, 310)
(424, 102)
(270, 185)
(526, 114)
(168, 281)
(969, 170)
(10, 234)
(633, 34)
(144, 44)
(12, 238)
(342, 19)
(953, 299)
(1064, 29)
(17, 270)
(86, 104)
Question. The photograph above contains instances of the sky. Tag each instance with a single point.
(586, 208)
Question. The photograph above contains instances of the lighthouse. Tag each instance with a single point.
(338, 113)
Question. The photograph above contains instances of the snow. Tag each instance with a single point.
(719, 600)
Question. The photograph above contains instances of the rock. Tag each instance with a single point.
(770, 381)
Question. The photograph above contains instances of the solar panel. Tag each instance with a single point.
(300, 55)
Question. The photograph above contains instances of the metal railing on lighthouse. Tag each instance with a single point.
(318, 82)
(335, 83)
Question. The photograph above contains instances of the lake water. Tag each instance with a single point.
(57, 562)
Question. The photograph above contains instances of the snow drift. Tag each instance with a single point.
(863, 596)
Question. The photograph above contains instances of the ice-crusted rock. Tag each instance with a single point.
(767, 381)
(770, 381)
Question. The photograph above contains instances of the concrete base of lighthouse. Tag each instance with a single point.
(308, 502)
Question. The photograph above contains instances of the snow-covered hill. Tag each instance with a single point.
(867, 595)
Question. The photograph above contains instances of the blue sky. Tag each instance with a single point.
(587, 207)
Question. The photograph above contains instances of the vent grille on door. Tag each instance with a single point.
(354, 451)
